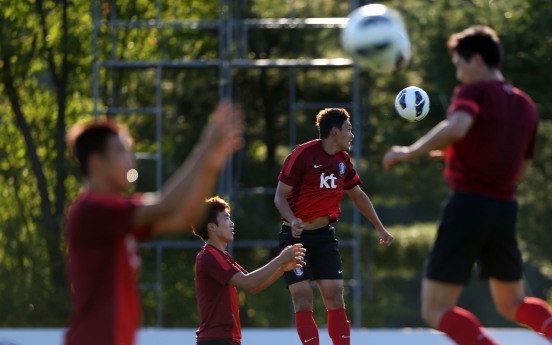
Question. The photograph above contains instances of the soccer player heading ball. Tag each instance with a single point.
(488, 138)
(103, 225)
(310, 188)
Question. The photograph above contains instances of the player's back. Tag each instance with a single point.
(490, 157)
(102, 264)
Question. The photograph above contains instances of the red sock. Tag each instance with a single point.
(464, 328)
(306, 327)
(339, 327)
(535, 313)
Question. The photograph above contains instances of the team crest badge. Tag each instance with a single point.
(298, 271)
(341, 168)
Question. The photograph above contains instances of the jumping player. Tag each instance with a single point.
(488, 139)
(103, 225)
(310, 188)
(217, 276)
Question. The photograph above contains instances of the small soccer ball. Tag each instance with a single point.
(376, 38)
(412, 103)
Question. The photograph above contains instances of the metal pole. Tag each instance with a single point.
(222, 77)
(357, 130)
(229, 91)
(292, 108)
(112, 72)
(357, 290)
(159, 285)
(95, 87)
(158, 128)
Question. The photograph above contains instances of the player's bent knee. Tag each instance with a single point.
(301, 304)
(302, 300)
(334, 301)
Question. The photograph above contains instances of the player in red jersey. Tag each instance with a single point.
(217, 276)
(310, 188)
(103, 224)
(488, 139)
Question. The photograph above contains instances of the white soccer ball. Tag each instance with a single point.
(376, 38)
(412, 103)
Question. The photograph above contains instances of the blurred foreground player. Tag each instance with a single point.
(103, 224)
(217, 276)
(488, 139)
(310, 188)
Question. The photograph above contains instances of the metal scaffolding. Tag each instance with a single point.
(232, 31)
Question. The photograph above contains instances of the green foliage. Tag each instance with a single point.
(45, 85)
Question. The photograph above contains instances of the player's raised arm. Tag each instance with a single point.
(443, 134)
(181, 198)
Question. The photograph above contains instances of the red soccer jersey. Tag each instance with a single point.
(102, 267)
(489, 158)
(217, 301)
(318, 180)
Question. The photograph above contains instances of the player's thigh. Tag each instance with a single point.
(298, 274)
(501, 258)
(437, 298)
(301, 295)
(332, 293)
(454, 252)
(507, 295)
(325, 259)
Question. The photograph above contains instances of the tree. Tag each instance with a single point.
(42, 59)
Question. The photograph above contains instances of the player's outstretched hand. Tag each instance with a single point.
(385, 237)
(293, 256)
(297, 227)
(223, 135)
(395, 155)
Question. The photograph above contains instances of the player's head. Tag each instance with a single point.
(102, 150)
(216, 222)
(474, 48)
(335, 124)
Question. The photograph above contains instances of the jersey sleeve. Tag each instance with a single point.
(218, 268)
(352, 179)
(466, 98)
(293, 168)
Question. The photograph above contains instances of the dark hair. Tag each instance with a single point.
(477, 39)
(85, 139)
(215, 206)
(329, 118)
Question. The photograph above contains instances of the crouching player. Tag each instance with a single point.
(217, 276)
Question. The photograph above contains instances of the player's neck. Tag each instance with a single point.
(489, 75)
(330, 146)
(217, 244)
(100, 186)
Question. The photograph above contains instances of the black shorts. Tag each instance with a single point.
(322, 257)
(472, 229)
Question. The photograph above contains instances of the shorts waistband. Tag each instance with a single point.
(311, 232)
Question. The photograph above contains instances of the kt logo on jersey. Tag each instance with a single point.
(328, 180)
